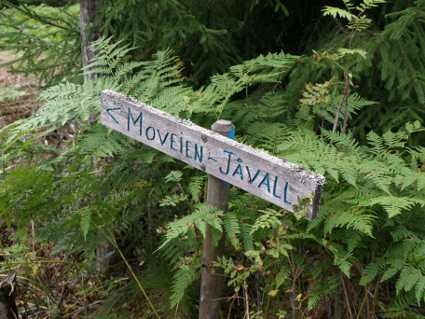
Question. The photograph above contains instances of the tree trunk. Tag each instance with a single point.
(89, 31)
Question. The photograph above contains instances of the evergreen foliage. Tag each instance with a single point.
(41, 37)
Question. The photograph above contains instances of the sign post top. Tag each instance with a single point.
(224, 127)
(255, 171)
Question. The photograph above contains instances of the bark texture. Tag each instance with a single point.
(89, 30)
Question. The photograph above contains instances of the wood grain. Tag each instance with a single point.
(273, 179)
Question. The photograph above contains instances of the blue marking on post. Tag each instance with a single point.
(232, 133)
(109, 110)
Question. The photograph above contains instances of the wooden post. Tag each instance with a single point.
(217, 196)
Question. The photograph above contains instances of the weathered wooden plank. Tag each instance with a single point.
(255, 171)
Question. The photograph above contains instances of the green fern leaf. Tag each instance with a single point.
(85, 221)
(183, 278)
(232, 229)
(336, 12)
(369, 274)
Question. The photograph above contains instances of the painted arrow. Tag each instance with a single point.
(109, 110)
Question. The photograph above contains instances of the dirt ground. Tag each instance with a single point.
(22, 106)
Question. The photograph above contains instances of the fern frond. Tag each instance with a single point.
(195, 187)
(269, 136)
(369, 4)
(409, 278)
(202, 216)
(336, 12)
(99, 142)
(394, 205)
(370, 272)
(269, 219)
(348, 4)
(345, 142)
(232, 229)
(172, 200)
(263, 69)
(109, 56)
(246, 236)
(183, 278)
(9, 94)
(360, 221)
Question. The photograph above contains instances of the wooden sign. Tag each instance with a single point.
(270, 178)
